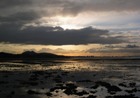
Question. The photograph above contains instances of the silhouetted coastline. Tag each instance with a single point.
(31, 55)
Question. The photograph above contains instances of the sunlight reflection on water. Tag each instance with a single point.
(71, 66)
(83, 73)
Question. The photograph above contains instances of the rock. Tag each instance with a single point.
(132, 84)
(94, 86)
(49, 94)
(58, 79)
(122, 96)
(31, 92)
(13, 92)
(55, 88)
(84, 81)
(3, 82)
(91, 96)
(123, 85)
(131, 91)
(112, 89)
(71, 85)
(33, 78)
(103, 84)
(128, 85)
(93, 92)
(81, 93)
(30, 83)
(38, 73)
(64, 73)
(70, 89)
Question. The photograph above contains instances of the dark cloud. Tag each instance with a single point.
(16, 13)
(54, 35)
(24, 17)
(69, 7)
(29, 10)
(13, 3)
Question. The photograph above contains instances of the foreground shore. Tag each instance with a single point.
(70, 79)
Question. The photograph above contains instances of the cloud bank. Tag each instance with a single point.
(55, 35)
(73, 6)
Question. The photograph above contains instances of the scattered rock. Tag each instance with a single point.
(84, 81)
(49, 94)
(56, 88)
(32, 83)
(31, 92)
(91, 96)
(58, 79)
(132, 84)
(122, 96)
(103, 84)
(38, 73)
(64, 73)
(33, 77)
(47, 76)
(95, 86)
(128, 85)
(71, 85)
(112, 89)
(81, 93)
(70, 89)
(93, 92)
(13, 92)
(123, 85)
(131, 91)
(3, 82)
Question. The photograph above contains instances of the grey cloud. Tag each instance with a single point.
(20, 17)
(130, 49)
(122, 46)
(127, 51)
(11, 3)
(70, 7)
(26, 11)
(54, 35)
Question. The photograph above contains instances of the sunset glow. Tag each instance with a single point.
(68, 27)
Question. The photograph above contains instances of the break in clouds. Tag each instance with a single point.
(17, 14)
(39, 22)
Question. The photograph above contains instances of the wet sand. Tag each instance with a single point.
(70, 79)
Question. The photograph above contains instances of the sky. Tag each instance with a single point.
(71, 27)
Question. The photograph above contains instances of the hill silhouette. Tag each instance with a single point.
(29, 55)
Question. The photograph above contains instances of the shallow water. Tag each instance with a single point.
(17, 78)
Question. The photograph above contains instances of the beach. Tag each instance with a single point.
(70, 78)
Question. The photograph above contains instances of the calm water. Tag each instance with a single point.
(82, 72)
(128, 69)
